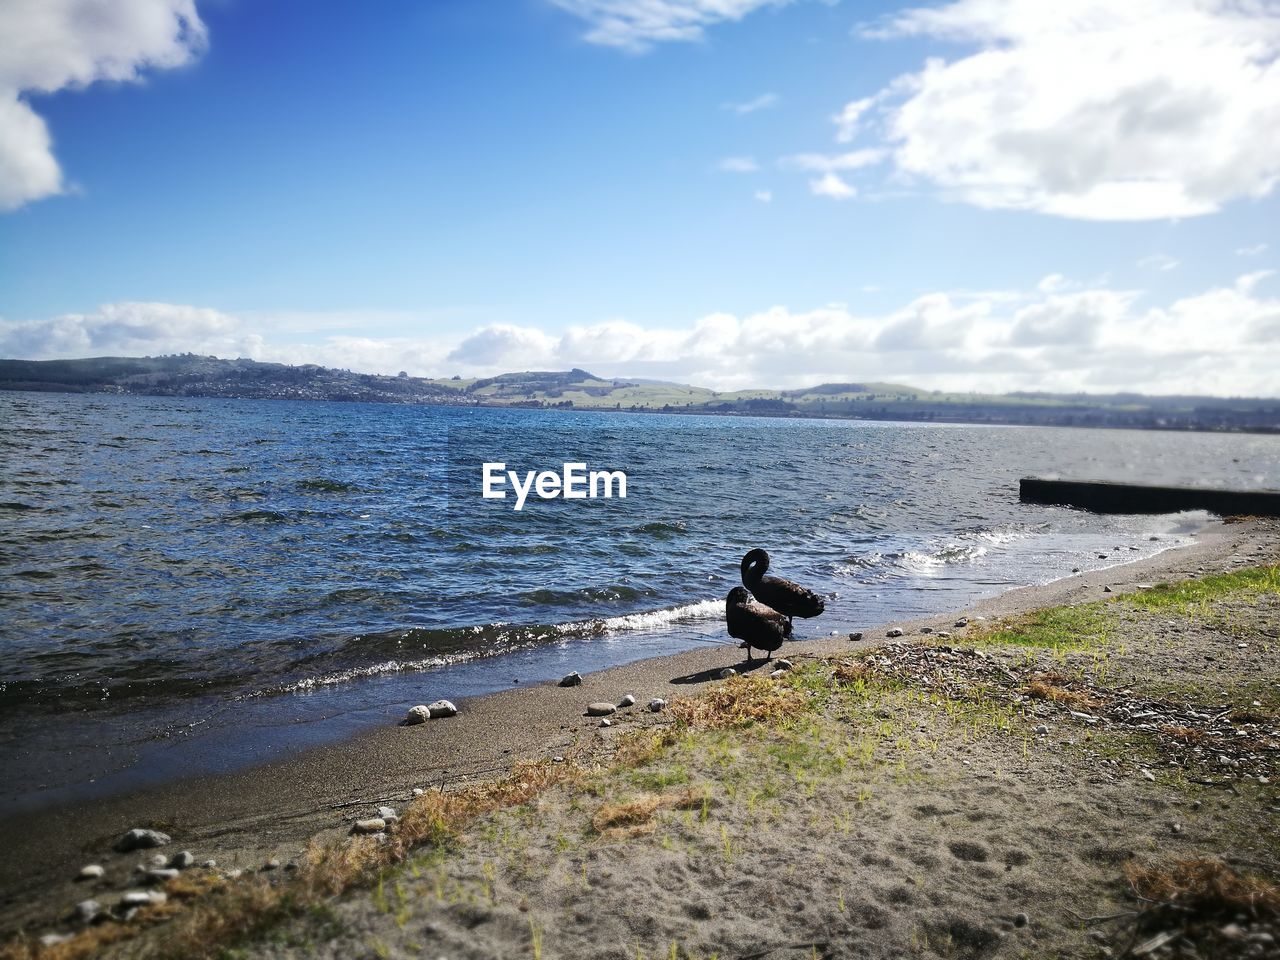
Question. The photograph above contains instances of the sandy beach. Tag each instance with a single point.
(247, 818)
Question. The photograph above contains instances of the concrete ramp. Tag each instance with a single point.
(1105, 497)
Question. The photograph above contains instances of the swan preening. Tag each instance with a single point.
(755, 624)
(764, 622)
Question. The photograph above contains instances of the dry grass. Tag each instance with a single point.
(739, 702)
(628, 814)
(1044, 687)
(853, 673)
(1204, 888)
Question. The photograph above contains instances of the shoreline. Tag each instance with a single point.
(273, 809)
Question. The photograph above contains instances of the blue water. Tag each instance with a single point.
(190, 584)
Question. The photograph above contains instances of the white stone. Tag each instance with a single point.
(600, 709)
(442, 708)
(627, 701)
(91, 872)
(372, 825)
(656, 704)
(419, 714)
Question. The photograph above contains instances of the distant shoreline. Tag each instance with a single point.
(904, 417)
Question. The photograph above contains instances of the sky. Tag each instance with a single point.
(984, 195)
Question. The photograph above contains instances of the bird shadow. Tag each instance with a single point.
(706, 676)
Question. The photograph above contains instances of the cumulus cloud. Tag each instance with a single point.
(762, 102)
(739, 165)
(1171, 109)
(52, 45)
(1224, 340)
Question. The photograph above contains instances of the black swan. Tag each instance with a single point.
(789, 599)
(755, 624)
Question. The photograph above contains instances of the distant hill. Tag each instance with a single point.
(197, 376)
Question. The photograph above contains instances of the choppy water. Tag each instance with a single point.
(189, 584)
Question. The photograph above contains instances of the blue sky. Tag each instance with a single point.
(466, 187)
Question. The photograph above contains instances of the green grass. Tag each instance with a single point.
(1188, 595)
(1060, 629)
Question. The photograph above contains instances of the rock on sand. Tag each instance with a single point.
(140, 839)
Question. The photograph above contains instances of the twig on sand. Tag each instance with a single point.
(1106, 919)
(816, 944)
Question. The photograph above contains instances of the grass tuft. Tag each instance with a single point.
(1185, 596)
(740, 702)
(1204, 888)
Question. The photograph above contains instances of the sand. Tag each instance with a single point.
(939, 856)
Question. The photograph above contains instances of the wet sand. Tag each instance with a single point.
(272, 810)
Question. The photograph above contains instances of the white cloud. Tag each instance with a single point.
(739, 165)
(831, 162)
(762, 102)
(831, 185)
(1148, 109)
(636, 25)
(1158, 261)
(51, 45)
(1256, 250)
(1224, 340)
(764, 196)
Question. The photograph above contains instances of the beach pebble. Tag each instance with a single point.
(895, 632)
(87, 910)
(372, 825)
(1149, 775)
(418, 791)
(160, 875)
(600, 709)
(656, 704)
(140, 839)
(726, 673)
(388, 814)
(182, 860)
(1075, 569)
(572, 680)
(856, 636)
(1021, 920)
(628, 701)
(557, 759)
(209, 864)
(53, 939)
(158, 862)
(442, 708)
(962, 622)
(926, 629)
(91, 872)
(418, 714)
(1106, 589)
(271, 864)
(944, 635)
(777, 675)
(234, 874)
(606, 722)
(1042, 729)
(783, 664)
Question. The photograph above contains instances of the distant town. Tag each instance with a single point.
(199, 376)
